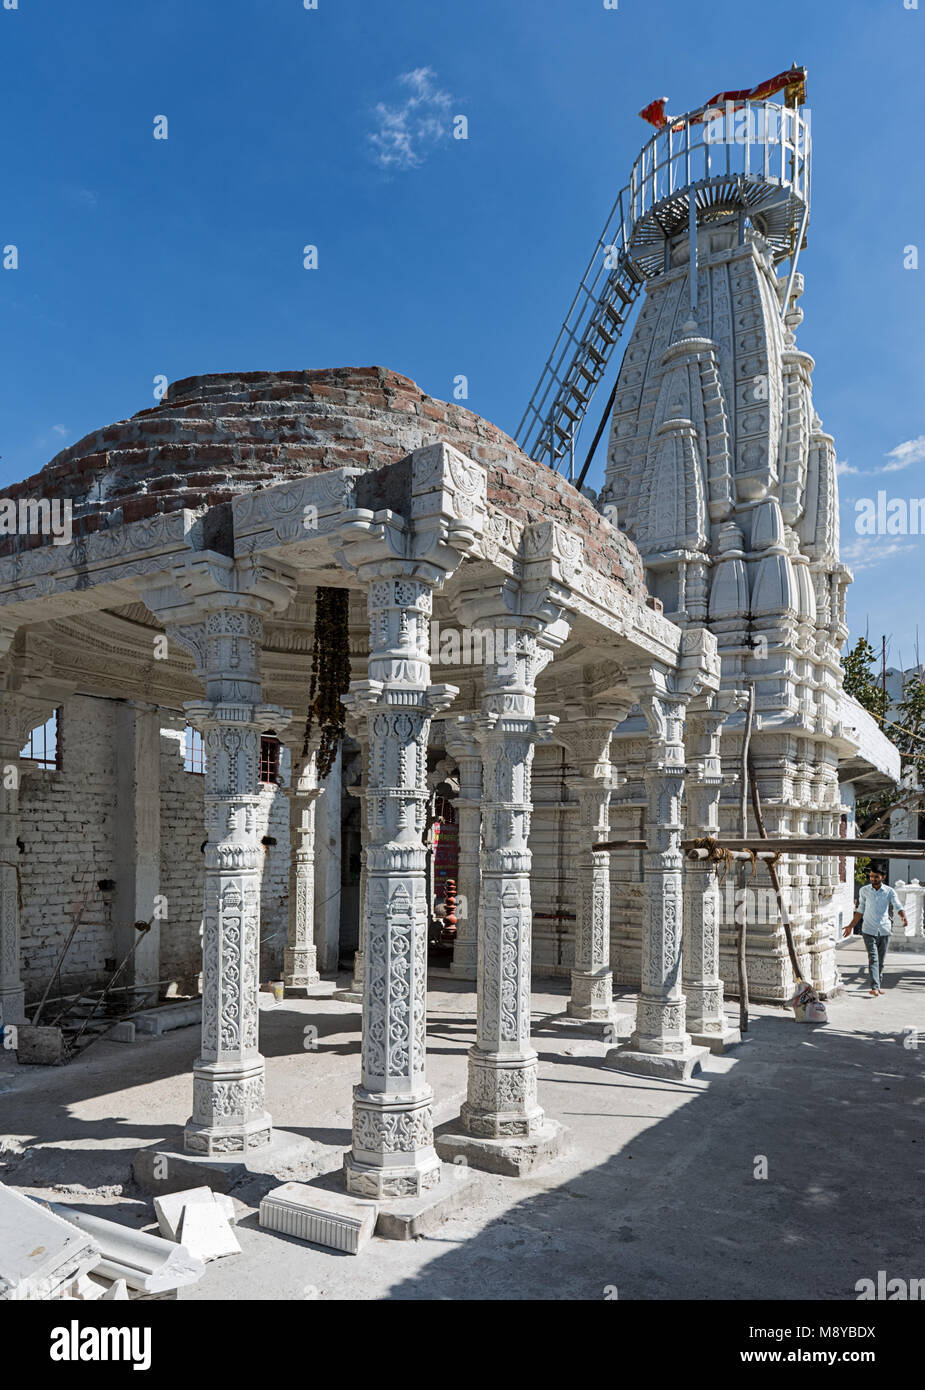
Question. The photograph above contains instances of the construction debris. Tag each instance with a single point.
(314, 1214)
(41, 1256)
(146, 1263)
(170, 1207)
(205, 1232)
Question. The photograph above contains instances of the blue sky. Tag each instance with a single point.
(436, 257)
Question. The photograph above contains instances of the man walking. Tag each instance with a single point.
(874, 903)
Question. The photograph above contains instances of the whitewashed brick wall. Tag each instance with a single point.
(67, 820)
(66, 828)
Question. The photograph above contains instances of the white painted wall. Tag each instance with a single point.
(68, 827)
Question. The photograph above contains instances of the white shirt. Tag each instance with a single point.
(875, 904)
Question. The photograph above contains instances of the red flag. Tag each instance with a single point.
(792, 82)
(654, 113)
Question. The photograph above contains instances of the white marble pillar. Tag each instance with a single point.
(660, 1044)
(393, 1153)
(222, 624)
(587, 743)
(359, 959)
(462, 745)
(353, 994)
(328, 866)
(703, 987)
(137, 846)
(300, 968)
(501, 1099)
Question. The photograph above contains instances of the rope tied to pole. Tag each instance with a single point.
(720, 854)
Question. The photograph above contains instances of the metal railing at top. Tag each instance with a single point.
(759, 141)
(747, 150)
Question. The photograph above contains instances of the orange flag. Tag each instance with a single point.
(792, 82)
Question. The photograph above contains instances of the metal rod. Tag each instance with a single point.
(794, 260)
(692, 213)
(598, 432)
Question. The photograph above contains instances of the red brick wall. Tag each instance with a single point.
(214, 436)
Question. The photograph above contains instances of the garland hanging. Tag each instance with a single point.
(330, 676)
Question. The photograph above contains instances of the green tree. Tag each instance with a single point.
(904, 726)
(861, 679)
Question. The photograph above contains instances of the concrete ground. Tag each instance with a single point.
(659, 1195)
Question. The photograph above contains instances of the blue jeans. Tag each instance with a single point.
(876, 954)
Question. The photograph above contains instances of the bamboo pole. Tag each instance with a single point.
(773, 874)
(742, 922)
(775, 845)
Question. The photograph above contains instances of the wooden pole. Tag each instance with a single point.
(780, 844)
(742, 922)
(772, 872)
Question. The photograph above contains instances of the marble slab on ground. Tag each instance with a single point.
(206, 1232)
(319, 1216)
(170, 1206)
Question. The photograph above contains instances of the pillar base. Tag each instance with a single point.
(464, 965)
(211, 1140)
(386, 1184)
(510, 1155)
(405, 1218)
(610, 1029)
(302, 991)
(348, 996)
(669, 1066)
(717, 1041)
(300, 968)
(164, 1167)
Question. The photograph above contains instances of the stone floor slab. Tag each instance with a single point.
(668, 1067)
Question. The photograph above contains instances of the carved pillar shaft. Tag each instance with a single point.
(228, 1076)
(300, 957)
(588, 746)
(703, 987)
(462, 745)
(660, 1019)
(393, 1153)
(592, 979)
(501, 1098)
(359, 959)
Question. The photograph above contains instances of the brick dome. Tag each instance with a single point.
(212, 437)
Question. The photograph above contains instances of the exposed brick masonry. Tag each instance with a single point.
(214, 436)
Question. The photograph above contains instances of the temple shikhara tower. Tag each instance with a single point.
(719, 469)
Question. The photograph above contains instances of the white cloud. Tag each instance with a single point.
(80, 197)
(60, 429)
(842, 468)
(406, 131)
(910, 451)
(869, 551)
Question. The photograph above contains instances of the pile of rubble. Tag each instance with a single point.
(51, 1251)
